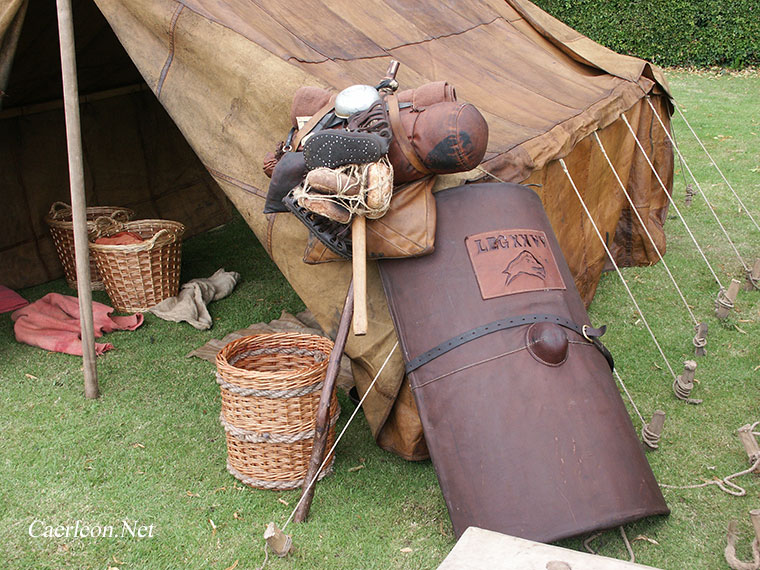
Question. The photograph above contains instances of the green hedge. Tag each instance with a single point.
(699, 33)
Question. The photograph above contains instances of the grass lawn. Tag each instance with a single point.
(151, 451)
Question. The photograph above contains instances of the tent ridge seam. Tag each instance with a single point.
(267, 46)
(170, 57)
(451, 35)
(234, 181)
(390, 49)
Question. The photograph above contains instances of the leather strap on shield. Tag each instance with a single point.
(589, 333)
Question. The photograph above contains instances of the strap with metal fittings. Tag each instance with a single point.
(589, 333)
(400, 136)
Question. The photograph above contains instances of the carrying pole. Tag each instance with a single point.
(78, 202)
(322, 423)
(359, 268)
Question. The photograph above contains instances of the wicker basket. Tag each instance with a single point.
(139, 276)
(59, 220)
(271, 386)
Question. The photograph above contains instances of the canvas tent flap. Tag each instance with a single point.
(587, 51)
(11, 19)
(134, 155)
(226, 71)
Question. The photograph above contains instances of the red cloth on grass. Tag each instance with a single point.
(52, 323)
(10, 300)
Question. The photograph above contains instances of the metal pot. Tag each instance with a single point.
(355, 99)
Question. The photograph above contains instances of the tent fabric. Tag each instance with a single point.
(226, 72)
(586, 51)
(12, 14)
(134, 155)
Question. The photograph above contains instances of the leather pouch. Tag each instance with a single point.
(406, 230)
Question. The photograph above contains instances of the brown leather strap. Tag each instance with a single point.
(311, 123)
(590, 334)
(399, 135)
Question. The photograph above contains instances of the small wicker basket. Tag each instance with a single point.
(139, 276)
(270, 385)
(60, 221)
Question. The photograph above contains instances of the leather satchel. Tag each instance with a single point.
(406, 230)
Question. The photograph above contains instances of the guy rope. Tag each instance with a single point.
(699, 187)
(725, 299)
(615, 265)
(682, 384)
(725, 302)
(650, 432)
(753, 276)
(738, 199)
(699, 342)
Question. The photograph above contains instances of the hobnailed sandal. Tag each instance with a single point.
(367, 139)
(334, 148)
(373, 120)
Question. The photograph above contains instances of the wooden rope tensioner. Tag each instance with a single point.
(747, 437)
(280, 543)
(651, 432)
(726, 299)
(684, 383)
(753, 277)
(700, 339)
(689, 195)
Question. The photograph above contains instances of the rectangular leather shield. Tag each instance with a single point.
(525, 425)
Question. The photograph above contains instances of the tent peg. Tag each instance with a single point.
(684, 384)
(689, 195)
(753, 277)
(754, 516)
(280, 543)
(752, 448)
(700, 339)
(651, 432)
(726, 298)
(732, 535)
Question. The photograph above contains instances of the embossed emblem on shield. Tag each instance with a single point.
(513, 261)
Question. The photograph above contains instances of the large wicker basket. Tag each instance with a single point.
(270, 385)
(139, 276)
(60, 221)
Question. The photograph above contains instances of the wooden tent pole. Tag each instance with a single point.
(78, 202)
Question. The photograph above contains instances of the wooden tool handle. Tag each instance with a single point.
(322, 421)
(359, 257)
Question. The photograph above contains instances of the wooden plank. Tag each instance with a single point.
(480, 549)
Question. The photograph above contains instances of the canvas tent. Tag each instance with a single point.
(134, 154)
(226, 71)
